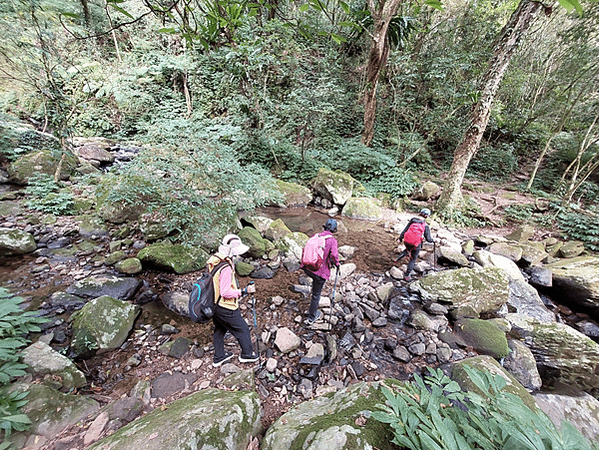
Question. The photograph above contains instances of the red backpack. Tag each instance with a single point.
(414, 234)
(313, 254)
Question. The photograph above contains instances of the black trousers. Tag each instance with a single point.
(230, 320)
(413, 252)
(317, 285)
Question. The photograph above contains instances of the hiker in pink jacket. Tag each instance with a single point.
(419, 229)
(323, 273)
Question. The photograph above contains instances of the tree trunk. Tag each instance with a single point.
(379, 53)
(520, 21)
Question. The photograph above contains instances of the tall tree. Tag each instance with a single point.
(519, 23)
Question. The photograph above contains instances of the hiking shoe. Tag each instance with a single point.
(311, 320)
(220, 361)
(249, 359)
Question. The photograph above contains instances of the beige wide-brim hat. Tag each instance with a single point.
(232, 246)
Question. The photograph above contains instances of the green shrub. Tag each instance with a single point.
(359, 161)
(494, 162)
(435, 414)
(15, 325)
(46, 196)
(397, 183)
(519, 213)
(580, 226)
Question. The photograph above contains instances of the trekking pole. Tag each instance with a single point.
(255, 325)
(435, 256)
(333, 299)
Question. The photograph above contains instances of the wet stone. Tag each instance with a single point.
(379, 322)
(180, 347)
(401, 354)
(417, 349)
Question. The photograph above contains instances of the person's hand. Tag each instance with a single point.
(250, 288)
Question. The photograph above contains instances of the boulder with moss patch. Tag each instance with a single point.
(254, 240)
(482, 335)
(16, 242)
(208, 419)
(43, 161)
(577, 279)
(173, 257)
(292, 245)
(334, 186)
(101, 325)
(339, 420)
(276, 230)
(294, 194)
(467, 292)
(363, 208)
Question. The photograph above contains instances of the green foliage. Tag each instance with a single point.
(578, 225)
(195, 191)
(359, 161)
(397, 183)
(15, 325)
(434, 413)
(46, 196)
(469, 216)
(494, 163)
(519, 213)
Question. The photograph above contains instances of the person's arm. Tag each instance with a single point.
(334, 251)
(224, 278)
(427, 234)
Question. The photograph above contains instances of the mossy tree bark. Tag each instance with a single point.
(382, 13)
(519, 23)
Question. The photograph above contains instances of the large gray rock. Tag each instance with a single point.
(568, 355)
(50, 411)
(44, 360)
(276, 230)
(453, 256)
(571, 249)
(43, 161)
(363, 209)
(177, 302)
(580, 409)
(292, 245)
(484, 336)
(173, 257)
(427, 191)
(520, 362)
(16, 242)
(331, 422)
(209, 419)
(334, 186)
(524, 299)
(577, 279)
(467, 292)
(294, 194)
(93, 152)
(112, 286)
(103, 324)
(488, 259)
(507, 249)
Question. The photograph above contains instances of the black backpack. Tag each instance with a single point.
(201, 298)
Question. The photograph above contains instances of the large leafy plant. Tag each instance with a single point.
(15, 325)
(434, 413)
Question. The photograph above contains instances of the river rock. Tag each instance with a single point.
(254, 240)
(92, 226)
(334, 186)
(44, 360)
(453, 256)
(467, 292)
(43, 161)
(579, 409)
(363, 208)
(294, 194)
(512, 252)
(520, 362)
(577, 279)
(50, 411)
(129, 266)
(286, 340)
(103, 324)
(93, 152)
(334, 421)
(173, 257)
(524, 299)
(533, 253)
(488, 259)
(16, 242)
(540, 276)
(277, 230)
(210, 418)
(427, 191)
(482, 335)
(101, 285)
(260, 223)
(292, 245)
(571, 249)
(571, 357)
(522, 233)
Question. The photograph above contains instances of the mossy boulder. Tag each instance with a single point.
(292, 245)
(489, 364)
(533, 253)
(453, 256)
(50, 411)
(571, 249)
(129, 266)
(16, 242)
(92, 226)
(294, 194)
(153, 229)
(44, 360)
(115, 257)
(466, 292)
(10, 208)
(577, 279)
(102, 324)
(331, 422)
(523, 233)
(334, 186)
(427, 191)
(571, 357)
(510, 251)
(173, 257)
(209, 419)
(254, 240)
(276, 230)
(123, 288)
(43, 161)
(521, 363)
(482, 335)
(243, 269)
(488, 259)
(363, 208)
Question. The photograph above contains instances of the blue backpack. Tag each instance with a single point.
(201, 298)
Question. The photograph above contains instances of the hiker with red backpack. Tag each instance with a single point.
(227, 316)
(412, 236)
(319, 255)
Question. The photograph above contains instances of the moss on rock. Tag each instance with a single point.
(174, 257)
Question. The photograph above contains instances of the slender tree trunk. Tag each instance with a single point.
(520, 21)
(86, 14)
(379, 53)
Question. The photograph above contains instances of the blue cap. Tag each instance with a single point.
(331, 225)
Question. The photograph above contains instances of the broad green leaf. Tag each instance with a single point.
(436, 4)
(122, 11)
(338, 39)
(167, 30)
(305, 7)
